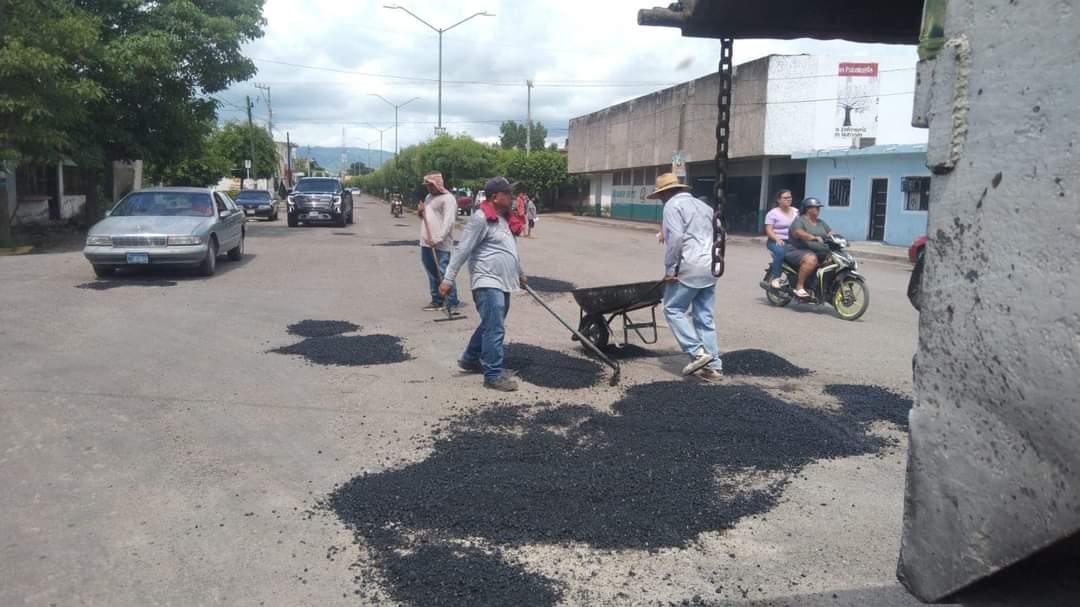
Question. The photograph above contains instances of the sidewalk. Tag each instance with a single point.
(862, 249)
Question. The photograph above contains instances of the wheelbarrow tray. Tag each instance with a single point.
(619, 298)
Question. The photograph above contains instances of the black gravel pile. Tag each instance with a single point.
(349, 350)
(551, 369)
(866, 404)
(398, 243)
(321, 328)
(662, 469)
(543, 284)
(760, 363)
(105, 285)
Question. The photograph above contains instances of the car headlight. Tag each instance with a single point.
(99, 241)
(179, 241)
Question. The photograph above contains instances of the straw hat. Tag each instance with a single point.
(667, 181)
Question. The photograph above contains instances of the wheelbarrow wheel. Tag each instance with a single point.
(595, 330)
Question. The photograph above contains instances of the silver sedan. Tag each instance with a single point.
(167, 227)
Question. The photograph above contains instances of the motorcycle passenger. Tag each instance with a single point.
(807, 243)
(777, 226)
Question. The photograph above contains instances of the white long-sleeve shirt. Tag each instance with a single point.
(688, 241)
(438, 221)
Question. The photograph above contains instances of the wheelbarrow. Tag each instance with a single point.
(601, 305)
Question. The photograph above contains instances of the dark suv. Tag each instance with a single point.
(320, 200)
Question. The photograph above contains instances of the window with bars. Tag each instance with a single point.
(650, 176)
(916, 193)
(840, 192)
(616, 178)
(74, 181)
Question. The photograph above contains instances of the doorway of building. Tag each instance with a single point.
(879, 197)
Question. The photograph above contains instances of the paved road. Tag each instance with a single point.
(154, 452)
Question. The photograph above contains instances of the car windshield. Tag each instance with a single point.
(317, 185)
(158, 204)
(253, 195)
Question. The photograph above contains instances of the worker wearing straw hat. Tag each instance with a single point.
(690, 295)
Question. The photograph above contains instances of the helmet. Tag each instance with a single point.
(810, 201)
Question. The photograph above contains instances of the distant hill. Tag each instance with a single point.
(330, 158)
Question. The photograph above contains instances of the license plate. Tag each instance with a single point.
(249, 212)
(138, 258)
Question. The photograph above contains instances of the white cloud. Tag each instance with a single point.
(551, 42)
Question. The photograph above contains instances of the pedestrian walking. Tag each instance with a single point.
(489, 247)
(530, 215)
(437, 214)
(690, 295)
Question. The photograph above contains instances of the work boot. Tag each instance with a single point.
(503, 384)
(701, 358)
(710, 376)
(470, 367)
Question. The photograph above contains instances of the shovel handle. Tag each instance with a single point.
(584, 340)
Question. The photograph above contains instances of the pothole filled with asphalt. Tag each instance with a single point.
(551, 369)
(321, 328)
(672, 461)
(343, 233)
(398, 243)
(326, 344)
(106, 285)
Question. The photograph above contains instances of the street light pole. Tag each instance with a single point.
(440, 32)
(396, 106)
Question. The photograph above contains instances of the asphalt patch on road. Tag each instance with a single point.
(866, 404)
(106, 285)
(551, 369)
(398, 243)
(344, 233)
(349, 350)
(760, 363)
(402, 225)
(543, 284)
(625, 352)
(674, 460)
(321, 328)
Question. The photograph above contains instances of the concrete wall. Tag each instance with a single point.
(901, 227)
(994, 463)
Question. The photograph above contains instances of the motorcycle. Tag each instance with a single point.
(836, 281)
(396, 207)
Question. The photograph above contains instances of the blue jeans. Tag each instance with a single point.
(486, 344)
(689, 313)
(777, 251)
(434, 276)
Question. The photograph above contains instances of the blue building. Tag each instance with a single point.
(879, 192)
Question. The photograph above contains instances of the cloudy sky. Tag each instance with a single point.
(582, 55)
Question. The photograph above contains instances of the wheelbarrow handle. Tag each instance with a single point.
(584, 340)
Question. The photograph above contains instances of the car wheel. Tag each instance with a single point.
(209, 264)
(104, 271)
(352, 217)
(341, 223)
(237, 252)
(293, 222)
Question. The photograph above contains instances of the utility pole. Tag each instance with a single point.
(528, 118)
(251, 142)
(269, 108)
(342, 168)
(438, 129)
(288, 161)
(396, 107)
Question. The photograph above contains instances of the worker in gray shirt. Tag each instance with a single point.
(690, 295)
(488, 245)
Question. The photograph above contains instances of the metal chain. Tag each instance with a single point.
(723, 130)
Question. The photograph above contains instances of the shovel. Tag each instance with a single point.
(584, 340)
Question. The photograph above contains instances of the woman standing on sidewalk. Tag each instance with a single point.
(777, 223)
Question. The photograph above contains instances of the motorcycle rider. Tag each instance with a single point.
(806, 244)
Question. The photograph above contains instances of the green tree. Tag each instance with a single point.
(358, 169)
(103, 80)
(512, 135)
(234, 142)
(461, 159)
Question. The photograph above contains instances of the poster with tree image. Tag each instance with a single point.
(856, 101)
